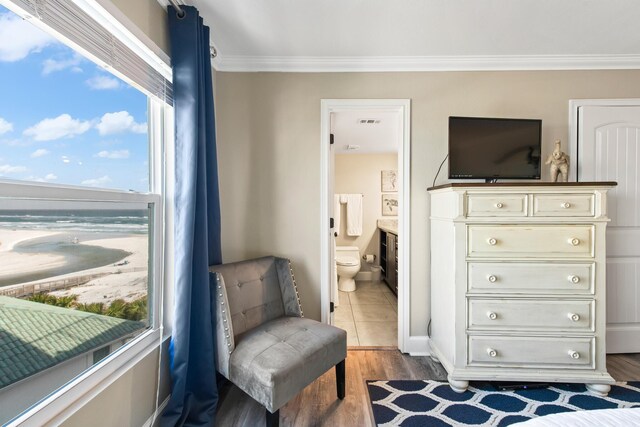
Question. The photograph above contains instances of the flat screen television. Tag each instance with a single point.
(494, 148)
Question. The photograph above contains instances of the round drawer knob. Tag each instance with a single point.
(491, 315)
(566, 205)
(491, 352)
(574, 279)
(574, 354)
(492, 241)
(492, 278)
(574, 317)
(574, 241)
(499, 205)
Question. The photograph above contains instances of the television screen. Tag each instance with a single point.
(490, 149)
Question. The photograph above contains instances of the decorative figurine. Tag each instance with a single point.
(559, 162)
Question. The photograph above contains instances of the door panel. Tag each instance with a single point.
(609, 150)
(622, 301)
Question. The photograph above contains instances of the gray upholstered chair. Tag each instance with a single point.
(265, 345)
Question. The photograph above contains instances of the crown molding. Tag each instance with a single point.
(240, 63)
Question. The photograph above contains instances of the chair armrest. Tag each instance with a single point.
(290, 297)
(225, 342)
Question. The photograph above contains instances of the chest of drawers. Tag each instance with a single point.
(518, 283)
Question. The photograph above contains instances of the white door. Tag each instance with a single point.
(609, 150)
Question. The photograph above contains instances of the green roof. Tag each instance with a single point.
(35, 336)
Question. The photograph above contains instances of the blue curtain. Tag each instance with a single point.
(194, 394)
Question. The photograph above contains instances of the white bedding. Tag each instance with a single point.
(626, 417)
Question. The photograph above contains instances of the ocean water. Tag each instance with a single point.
(111, 221)
(74, 227)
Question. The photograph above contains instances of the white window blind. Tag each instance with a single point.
(74, 25)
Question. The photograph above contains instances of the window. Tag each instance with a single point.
(81, 202)
(64, 119)
(100, 354)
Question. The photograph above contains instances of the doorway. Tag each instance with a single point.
(383, 176)
(606, 147)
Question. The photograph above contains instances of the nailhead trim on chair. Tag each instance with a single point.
(224, 318)
(295, 286)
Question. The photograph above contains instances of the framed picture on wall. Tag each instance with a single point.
(389, 180)
(390, 205)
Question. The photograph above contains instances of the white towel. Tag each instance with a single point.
(336, 213)
(354, 214)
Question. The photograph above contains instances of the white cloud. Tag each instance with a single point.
(39, 153)
(15, 142)
(97, 182)
(62, 126)
(52, 65)
(48, 177)
(7, 169)
(119, 122)
(65, 159)
(117, 154)
(103, 83)
(18, 38)
(5, 126)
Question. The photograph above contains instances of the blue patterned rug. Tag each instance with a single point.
(434, 404)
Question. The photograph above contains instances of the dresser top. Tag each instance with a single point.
(523, 184)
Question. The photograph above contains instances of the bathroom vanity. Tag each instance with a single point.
(389, 253)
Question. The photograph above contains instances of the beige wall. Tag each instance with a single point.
(150, 17)
(269, 150)
(129, 401)
(360, 173)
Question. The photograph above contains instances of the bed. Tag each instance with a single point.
(623, 417)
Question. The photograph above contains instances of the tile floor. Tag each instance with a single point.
(369, 315)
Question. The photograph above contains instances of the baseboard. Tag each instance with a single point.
(417, 346)
(364, 276)
(623, 338)
(156, 415)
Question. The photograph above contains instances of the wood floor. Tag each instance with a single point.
(317, 404)
(624, 367)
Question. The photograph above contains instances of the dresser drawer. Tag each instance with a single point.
(531, 278)
(495, 205)
(558, 205)
(531, 352)
(538, 241)
(531, 315)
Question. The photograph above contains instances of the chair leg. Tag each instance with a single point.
(340, 382)
(273, 419)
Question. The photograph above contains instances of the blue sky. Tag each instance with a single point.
(64, 119)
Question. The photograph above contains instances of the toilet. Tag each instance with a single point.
(347, 265)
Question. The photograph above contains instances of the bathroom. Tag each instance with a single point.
(366, 222)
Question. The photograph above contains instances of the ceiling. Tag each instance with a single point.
(381, 136)
(394, 35)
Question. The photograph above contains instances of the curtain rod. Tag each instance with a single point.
(178, 9)
(181, 14)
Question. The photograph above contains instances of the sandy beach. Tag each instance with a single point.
(12, 262)
(126, 280)
(10, 238)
